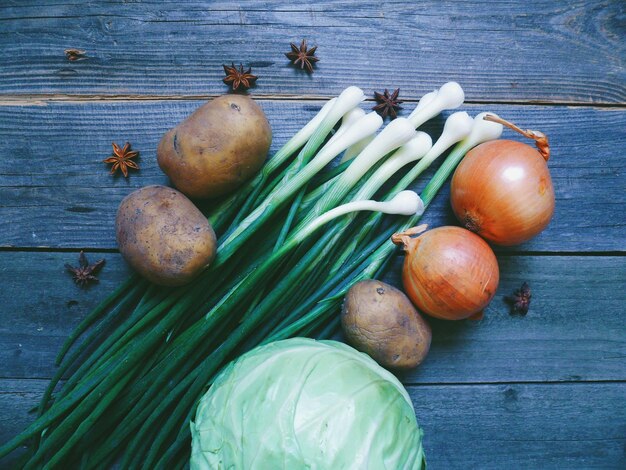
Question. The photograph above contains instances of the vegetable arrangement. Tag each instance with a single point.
(289, 244)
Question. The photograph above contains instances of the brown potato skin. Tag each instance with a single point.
(380, 320)
(217, 148)
(163, 236)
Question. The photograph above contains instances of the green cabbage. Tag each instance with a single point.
(306, 404)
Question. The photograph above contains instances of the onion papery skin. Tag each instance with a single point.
(502, 190)
(450, 273)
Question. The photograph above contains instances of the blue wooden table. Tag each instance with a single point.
(547, 390)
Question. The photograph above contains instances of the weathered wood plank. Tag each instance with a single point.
(17, 397)
(569, 334)
(574, 330)
(56, 191)
(41, 305)
(538, 50)
(551, 426)
(554, 426)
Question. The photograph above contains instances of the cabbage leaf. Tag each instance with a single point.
(306, 404)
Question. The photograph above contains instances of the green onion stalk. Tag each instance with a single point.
(299, 237)
(246, 228)
(231, 204)
(348, 121)
(63, 406)
(220, 215)
(351, 117)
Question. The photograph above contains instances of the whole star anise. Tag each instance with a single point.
(122, 159)
(520, 300)
(388, 105)
(238, 78)
(302, 56)
(75, 54)
(85, 273)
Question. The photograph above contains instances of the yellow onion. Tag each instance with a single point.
(502, 189)
(449, 272)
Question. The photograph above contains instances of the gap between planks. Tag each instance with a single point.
(411, 383)
(407, 383)
(507, 253)
(43, 99)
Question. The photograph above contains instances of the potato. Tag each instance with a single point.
(381, 321)
(163, 236)
(221, 145)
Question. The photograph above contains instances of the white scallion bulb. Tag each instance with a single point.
(396, 133)
(309, 128)
(427, 98)
(366, 126)
(346, 101)
(403, 203)
(483, 131)
(356, 149)
(457, 127)
(348, 119)
(352, 116)
(449, 96)
(414, 149)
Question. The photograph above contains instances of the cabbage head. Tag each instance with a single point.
(306, 404)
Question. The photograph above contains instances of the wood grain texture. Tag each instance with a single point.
(573, 332)
(555, 426)
(17, 397)
(41, 305)
(543, 426)
(57, 193)
(505, 50)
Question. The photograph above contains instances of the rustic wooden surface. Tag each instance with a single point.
(542, 391)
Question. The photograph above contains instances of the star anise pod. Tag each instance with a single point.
(388, 104)
(520, 300)
(122, 159)
(302, 56)
(85, 273)
(75, 54)
(238, 78)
